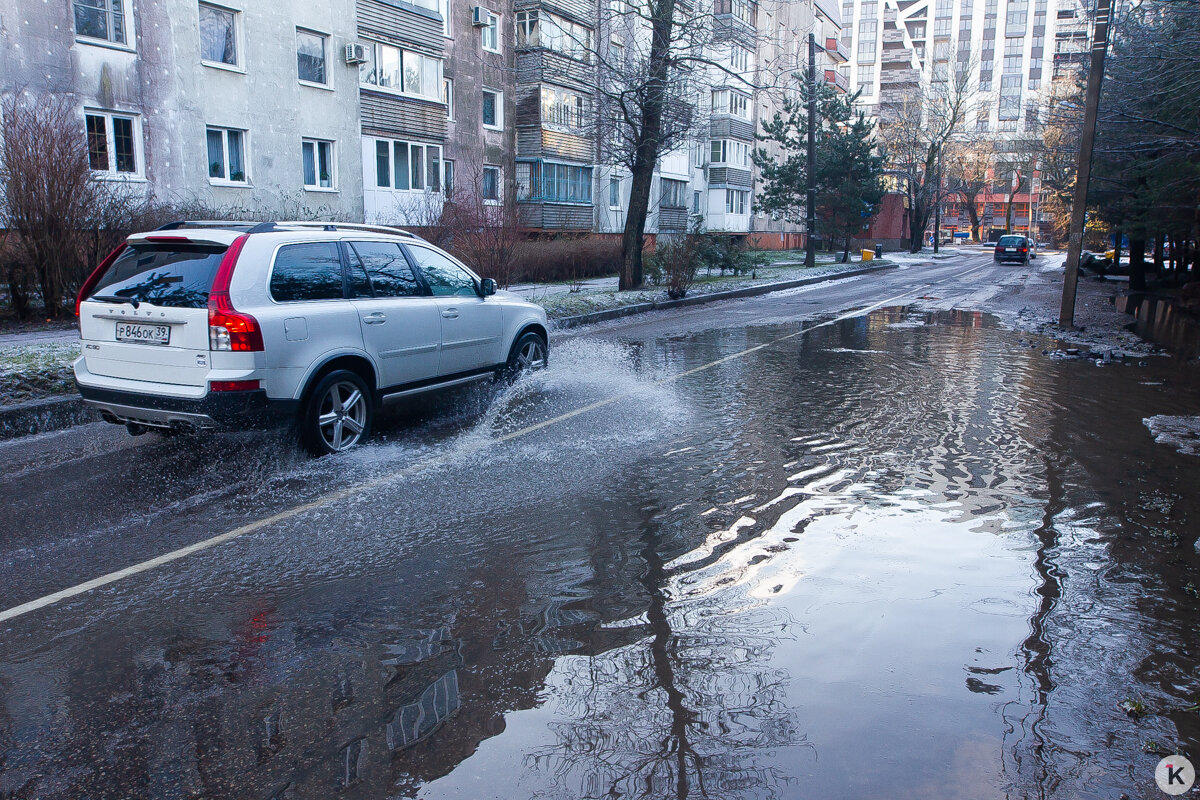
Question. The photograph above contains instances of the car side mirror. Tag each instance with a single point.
(487, 286)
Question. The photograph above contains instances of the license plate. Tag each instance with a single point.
(143, 334)
(1010, 249)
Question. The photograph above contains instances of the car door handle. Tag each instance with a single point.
(450, 313)
(375, 319)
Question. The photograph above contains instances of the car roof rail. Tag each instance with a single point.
(206, 223)
(352, 226)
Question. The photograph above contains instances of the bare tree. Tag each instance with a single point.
(968, 163)
(674, 53)
(482, 226)
(47, 196)
(912, 133)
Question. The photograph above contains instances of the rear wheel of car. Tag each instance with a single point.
(529, 353)
(337, 415)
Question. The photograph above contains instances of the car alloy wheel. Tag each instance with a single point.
(338, 413)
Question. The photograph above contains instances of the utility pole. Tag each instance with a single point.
(810, 249)
(1083, 173)
(937, 207)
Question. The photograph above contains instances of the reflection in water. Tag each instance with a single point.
(901, 537)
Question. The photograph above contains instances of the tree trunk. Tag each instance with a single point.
(645, 157)
(1117, 247)
(1137, 265)
(1159, 259)
(973, 213)
(846, 252)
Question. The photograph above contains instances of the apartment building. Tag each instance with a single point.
(242, 105)
(1011, 50)
(381, 109)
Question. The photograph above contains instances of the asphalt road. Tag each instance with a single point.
(720, 546)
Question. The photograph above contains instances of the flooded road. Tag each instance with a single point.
(899, 554)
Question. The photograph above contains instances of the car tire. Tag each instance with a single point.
(530, 352)
(337, 414)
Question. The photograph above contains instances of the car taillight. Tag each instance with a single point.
(97, 273)
(228, 328)
(234, 386)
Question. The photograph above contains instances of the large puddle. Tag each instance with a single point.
(903, 556)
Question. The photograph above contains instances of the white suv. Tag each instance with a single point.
(203, 325)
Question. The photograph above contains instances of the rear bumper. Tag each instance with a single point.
(215, 410)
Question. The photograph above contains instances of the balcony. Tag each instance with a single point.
(837, 51)
(837, 80)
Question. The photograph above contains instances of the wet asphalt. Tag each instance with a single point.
(829, 542)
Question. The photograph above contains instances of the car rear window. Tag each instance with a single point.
(175, 275)
(1012, 241)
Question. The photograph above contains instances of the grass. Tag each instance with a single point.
(31, 371)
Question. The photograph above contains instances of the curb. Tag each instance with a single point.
(44, 415)
(750, 291)
(58, 413)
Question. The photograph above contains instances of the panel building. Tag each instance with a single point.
(380, 109)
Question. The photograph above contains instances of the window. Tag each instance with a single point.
(614, 193)
(1031, 119)
(674, 194)
(1017, 16)
(386, 268)
(1010, 97)
(868, 10)
(739, 58)
(556, 183)
(743, 10)
(1013, 50)
(543, 29)
(616, 53)
(736, 201)
(562, 107)
(490, 33)
(728, 151)
(218, 35)
(866, 85)
(310, 56)
(725, 101)
(112, 143)
(448, 97)
(226, 155)
(408, 166)
(448, 178)
(445, 278)
(404, 71)
(317, 156)
(307, 272)
(491, 184)
(985, 81)
(493, 109)
(867, 29)
(695, 202)
(101, 19)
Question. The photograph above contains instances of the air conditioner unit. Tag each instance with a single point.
(356, 54)
(481, 17)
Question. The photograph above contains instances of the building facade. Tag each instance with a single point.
(382, 109)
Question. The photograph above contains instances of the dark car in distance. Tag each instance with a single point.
(1011, 249)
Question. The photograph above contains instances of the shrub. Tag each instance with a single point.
(566, 258)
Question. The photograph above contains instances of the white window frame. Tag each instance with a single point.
(499, 198)
(493, 26)
(737, 202)
(111, 172)
(614, 184)
(326, 60)
(499, 125)
(333, 170)
(239, 47)
(226, 180)
(377, 49)
(448, 97)
(733, 153)
(408, 146)
(130, 39)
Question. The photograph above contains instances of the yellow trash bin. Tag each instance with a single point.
(868, 255)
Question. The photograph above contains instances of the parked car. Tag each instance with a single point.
(1033, 247)
(1010, 249)
(203, 325)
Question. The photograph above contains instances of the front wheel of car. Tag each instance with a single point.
(529, 353)
(337, 414)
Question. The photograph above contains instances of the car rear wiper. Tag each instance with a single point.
(112, 298)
